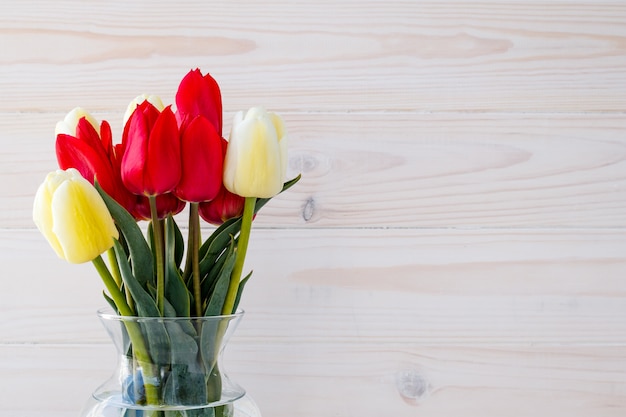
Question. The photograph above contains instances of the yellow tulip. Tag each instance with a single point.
(68, 124)
(256, 157)
(72, 216)
(154, 100)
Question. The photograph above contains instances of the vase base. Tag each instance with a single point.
(242, 407)
(246, 407)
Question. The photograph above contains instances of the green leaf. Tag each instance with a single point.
(144, 303)
(186, 325)
(287, 185)
(205, 246)
(217, 243)
(260, 202)
(218, 295)
(110, 301)
(216, 246)
(150, 241)
(212, 274)
(157, 339)
(208, 412)
(186, 381)
(175, 289)
(168, 309)
(242, 284)
(140, 253)
(184, 347)
(179, 244)
(211, 336)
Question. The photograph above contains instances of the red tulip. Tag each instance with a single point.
(92, 154)
(224, 206)
(139, 205)
(199, 95)
(202, 161)
(151, 162)
(166, 204)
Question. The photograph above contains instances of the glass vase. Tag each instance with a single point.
(170, 367)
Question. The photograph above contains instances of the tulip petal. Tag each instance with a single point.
(82, 223)
(166, 204)
(94, 157)
(89, 161)
(73, 217)
(135, 152)
(106, 138)
(199, 95)
(42, 215)
(88, 133)
(69, 123)
(151, 145)
(281, 132)
(162, 171)
(224, 206)
(202, 162)
(137, 101)
(253, 166)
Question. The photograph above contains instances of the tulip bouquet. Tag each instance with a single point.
(167, 159)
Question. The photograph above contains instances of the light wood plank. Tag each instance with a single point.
(403, 170)
(445, 287)
(51, 380)
(326, 55)
(358, 379)
(457, 245)
(408, 380)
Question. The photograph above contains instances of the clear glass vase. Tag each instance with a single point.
(170, 367)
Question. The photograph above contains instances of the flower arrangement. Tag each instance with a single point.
(167, 159)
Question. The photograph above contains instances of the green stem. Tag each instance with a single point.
(114, 290)
(242, 249)
(134, 332)
(188, 257)
(117, 276)
(194, 247)
(157, 230)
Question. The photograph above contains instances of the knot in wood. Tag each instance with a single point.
(411, 385)
(308, 210)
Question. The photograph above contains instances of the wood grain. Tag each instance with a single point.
(404, 170)
(457, 245)
(322, 56)
(386, 286)
(361, 379)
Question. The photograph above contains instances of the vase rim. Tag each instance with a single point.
(107, 313)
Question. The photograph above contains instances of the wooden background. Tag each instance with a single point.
(456, 247)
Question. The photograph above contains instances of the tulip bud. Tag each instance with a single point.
(80, 146)
(72, 216)
(167, 204)
(154, 100)
(202, 162)
(199, 95)
(151, 163)
(256, 158)
(224, 206)
(69, 124)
